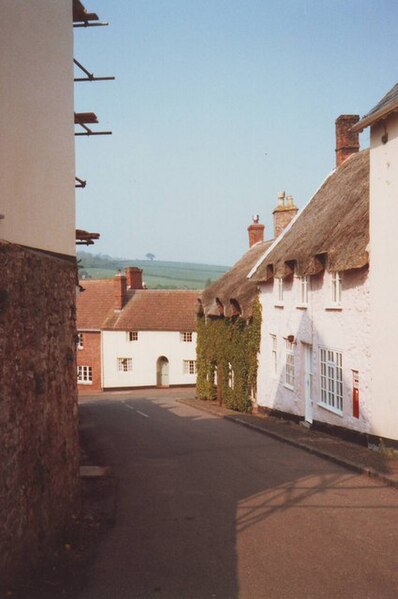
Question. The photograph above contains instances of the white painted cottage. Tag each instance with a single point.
(314, 362)
(383, 123)
(133, 337)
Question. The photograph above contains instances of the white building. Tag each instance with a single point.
(383, 121)
(314, 362)
(133, 337)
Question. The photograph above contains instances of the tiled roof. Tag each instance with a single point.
(145, 309)
(388, 104)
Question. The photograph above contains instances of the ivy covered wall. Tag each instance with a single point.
(227, 351)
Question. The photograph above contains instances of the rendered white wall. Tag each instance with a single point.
(383, 280)
(346, 330)
(36, 124)
(145, 353)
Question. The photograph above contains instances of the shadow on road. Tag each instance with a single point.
(204, 505)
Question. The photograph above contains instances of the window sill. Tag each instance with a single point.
(302, 307)
(288, 387)
(84, 382)
(330, 409)
(279, 305)
(334, 308)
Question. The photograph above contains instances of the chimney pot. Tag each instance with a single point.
(347, 141)
(256, 231)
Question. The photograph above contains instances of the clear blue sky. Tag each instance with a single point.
(217, 106)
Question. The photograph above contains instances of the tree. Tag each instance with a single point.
(150, 256)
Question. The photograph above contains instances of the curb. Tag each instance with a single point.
(353, 466)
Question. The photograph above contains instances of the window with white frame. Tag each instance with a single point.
(186, 337)
(85, 375)
(279, 290)
(302, 290)
(274, 354)
(189, 366)
(231, 376)
(331, 379)
(124, 364)
(289, 364)
(80, 341)
(132, 335)
(336, 288)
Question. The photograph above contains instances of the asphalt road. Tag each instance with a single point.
(208, 509)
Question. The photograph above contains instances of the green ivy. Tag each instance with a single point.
(225, 345)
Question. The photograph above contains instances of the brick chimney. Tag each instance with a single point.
(284, 212)
(120, 287)
(134, 277)
(347, 142)
(256, 231)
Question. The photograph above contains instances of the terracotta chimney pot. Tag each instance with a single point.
(256, 231)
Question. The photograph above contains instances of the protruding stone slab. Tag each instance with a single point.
(94, 471)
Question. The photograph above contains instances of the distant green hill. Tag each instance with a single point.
(157, 274)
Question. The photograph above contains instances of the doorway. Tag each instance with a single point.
(162, 372)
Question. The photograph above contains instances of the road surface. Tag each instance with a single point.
(208, 509)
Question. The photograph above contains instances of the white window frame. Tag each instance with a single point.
(274, 354)
(278, 292)
(289, 364)
(302, 291)
(336, 288)
(124, 364)
(189, 366)
(85, 375)
(186, 337)
(80, 340)
(331, 380)
(132, 335)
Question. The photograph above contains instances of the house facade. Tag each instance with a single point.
(133, 337)
(317, 358)
(383, 123)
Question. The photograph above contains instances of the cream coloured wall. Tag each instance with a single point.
(36, 124)
(320, 324)
(384, 287)
(144, 354)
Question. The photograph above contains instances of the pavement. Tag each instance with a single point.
(375, 464)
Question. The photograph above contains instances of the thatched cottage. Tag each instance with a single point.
(229, 323)
(316, 299)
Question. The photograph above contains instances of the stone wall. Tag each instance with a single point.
(38, 404)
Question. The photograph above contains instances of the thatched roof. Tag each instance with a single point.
(387, 105)
(235, 285)
(332, 230)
